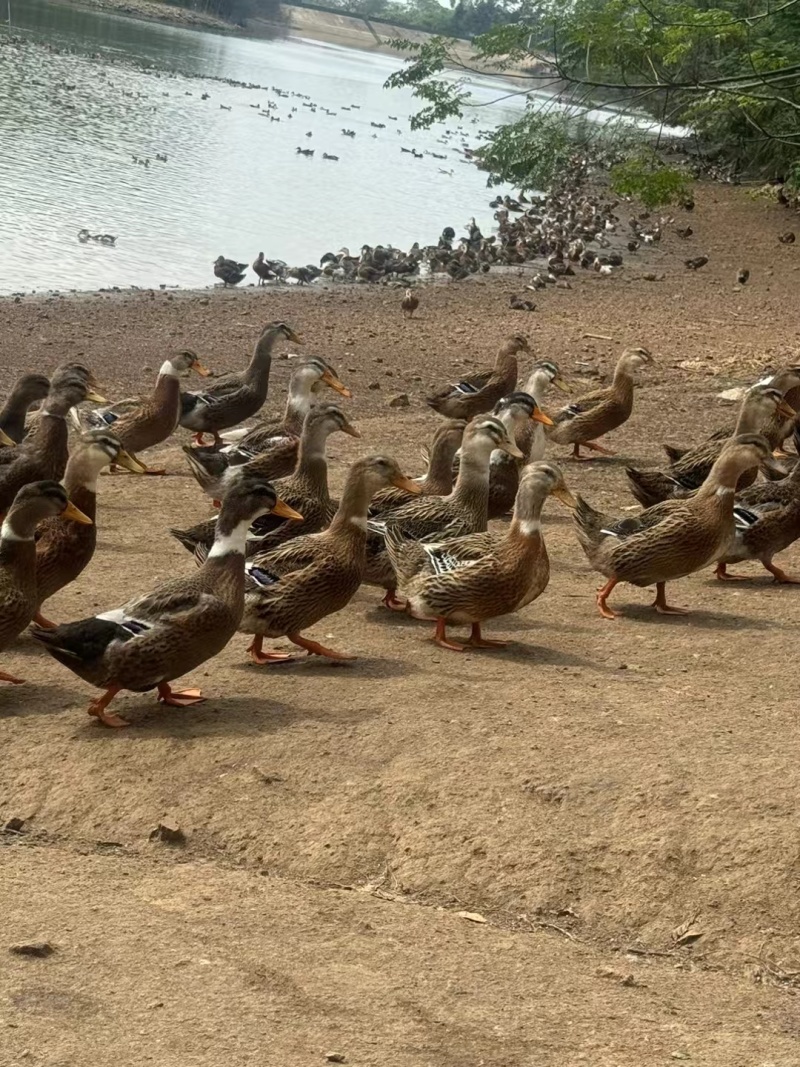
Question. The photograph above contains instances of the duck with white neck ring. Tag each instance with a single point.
(148, 421)
(33, 504)
(157, 637)
(65, 549)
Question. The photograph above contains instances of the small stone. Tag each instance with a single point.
(335, 1057)
(14, 825)
(374, 385)
(649, 277)
(40, 949)
(400, 401)
(169, 831)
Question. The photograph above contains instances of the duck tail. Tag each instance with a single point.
(77, 643)
(673, 453)
(649, 487)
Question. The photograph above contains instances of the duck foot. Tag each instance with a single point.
(314, 648)
(660, 602)
(722, 574)
(392, 602)
(780, 575)
(603, 594)
(12, 678)
(261, 658)
(440, 637)
(199, 438)
(98, 709)
(180, 698)
(160, 473)
(46, 624)
(593, 445)
(476, 640)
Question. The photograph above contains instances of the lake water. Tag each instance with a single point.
(233, 184)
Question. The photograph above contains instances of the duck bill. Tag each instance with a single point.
(786, 410)
(539, 416)
(129, 463)
(350, 429)
(401, 482)
(283, 510)
(334, 383)
(296, 338)
(197, 366)
(73, 514)
(95, 397)
(511, 449)
(565, 496)
(6, 440)
(559, 383)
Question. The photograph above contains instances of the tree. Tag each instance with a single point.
(730, 70)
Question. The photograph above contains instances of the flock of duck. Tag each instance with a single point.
(282, 553)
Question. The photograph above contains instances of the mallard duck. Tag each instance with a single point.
(277, 442)
(235, 397)
(44, 453)
(759, 407)
(33, 504)
(478, 577)
(311, 577)
(777, 427)
(479, 392)
(65, 549)
(409, 303)
(306, 490)
(767, 521)
(599, 412)
(438, 478)
(465, 510)
(673, 538)
(228, 270)
(516, 411)
(263, 269)
(159, 636)
(153, 419)
(26, 391)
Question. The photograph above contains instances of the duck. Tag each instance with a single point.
(409, 304)
(438, 477)
(671, 539)
(280, 440)
(779, 425)
(767, 521)
(516, 411)
(157, 637)
(44, 453)
(64, 550)
(311, 577)
(26, 391)
(263, 269)
(479, 392)
(690, 468)
(236, 397)
(465, 510)
(228, 270)
(151, 420)
(533, 438)
(32, 504)
(306, 489)
(468, 580)
(601, 411)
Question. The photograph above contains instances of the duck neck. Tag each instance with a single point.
(80, 482)
(17, 544)
(622, 383)
(526, 524)
(438, 480)
(749, 421)
(472, 485)
(12, 414)
(257, 373)
(167, 391)
(720, 485)
(52, 436)
(298, 404)
(224, 565)
(312, 462)
(538, 383)
(350, 519)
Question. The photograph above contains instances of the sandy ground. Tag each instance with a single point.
(588, 791)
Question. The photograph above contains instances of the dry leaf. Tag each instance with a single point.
(687, 933)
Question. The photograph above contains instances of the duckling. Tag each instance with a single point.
(157, 637)
(25, 392)
(438, 478)
(409, 304)
(673, 538)
(480, 576)
(601, 411)
(237, 396)
(31, 505)
(479, 392)
(44, 453)
(312, 577)
(64, 550)
(228, 270)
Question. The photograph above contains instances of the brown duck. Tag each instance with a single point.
(25, 392)
(437, 479)
(479, 392)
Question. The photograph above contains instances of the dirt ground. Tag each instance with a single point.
(588, 792)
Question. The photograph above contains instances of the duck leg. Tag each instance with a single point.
(440, 637)
(98, 708)
(259, 657)
(603, 593)
(779, 574)
(180, 698)
(392, 602)
(660, 602)
(721, 573)
(476, 640)
(314, 648)
(6, 677)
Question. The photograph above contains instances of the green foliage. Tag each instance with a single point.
(647, 179)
